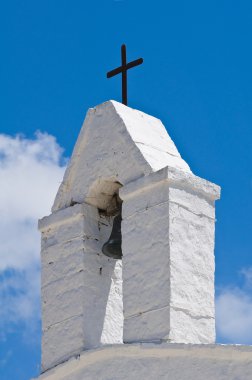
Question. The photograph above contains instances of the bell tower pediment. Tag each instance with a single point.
(115, 144)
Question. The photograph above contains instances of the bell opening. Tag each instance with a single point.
(113, 246)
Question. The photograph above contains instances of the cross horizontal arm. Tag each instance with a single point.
(114, 72)
(134, 63)
(120, 69)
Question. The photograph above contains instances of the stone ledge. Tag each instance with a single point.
(175, 178)
(225, 361)
(64, 215)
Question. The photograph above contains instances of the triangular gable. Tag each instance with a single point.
(116, 144)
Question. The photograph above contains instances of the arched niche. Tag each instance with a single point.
(101, 193)
(103, 303)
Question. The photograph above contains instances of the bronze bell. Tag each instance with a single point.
(113, 247)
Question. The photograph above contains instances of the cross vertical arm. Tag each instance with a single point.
(124, 75)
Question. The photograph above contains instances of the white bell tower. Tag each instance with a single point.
(163, 288)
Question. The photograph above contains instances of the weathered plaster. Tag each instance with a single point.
(163, 361)
(116, 143)
(81, 288)
(163, 288)
(168, 258)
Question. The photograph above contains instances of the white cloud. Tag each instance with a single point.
(30, 173)
(20, 301)
(247, 273)
(234, 311)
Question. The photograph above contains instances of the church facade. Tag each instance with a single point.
(149, 314)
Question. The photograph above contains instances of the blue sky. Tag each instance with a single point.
(196, 77)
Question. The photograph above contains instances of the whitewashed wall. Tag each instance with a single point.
(168, 258)
(162, 362)
(81, 288)
(162, 290)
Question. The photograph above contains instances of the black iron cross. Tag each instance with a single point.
(123, 69)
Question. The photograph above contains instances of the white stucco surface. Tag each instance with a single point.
(163, 288)
(163, 361)
(168, 258)
(116, 143)
(81, 288)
